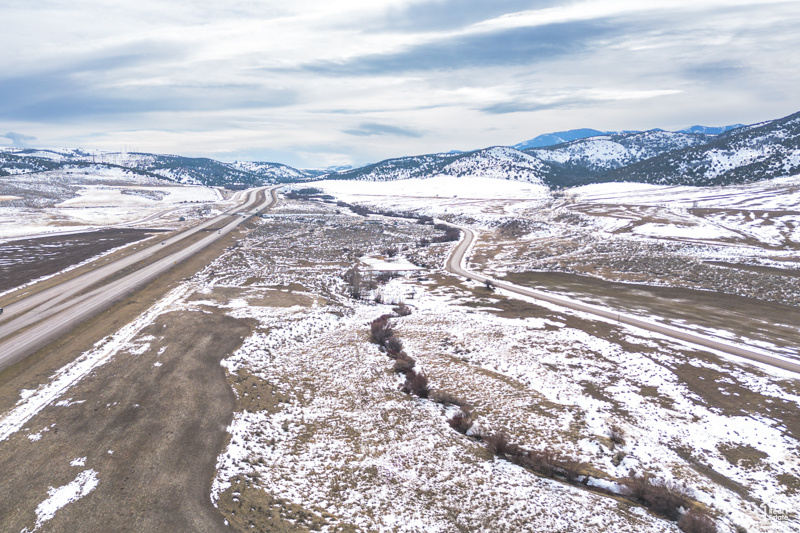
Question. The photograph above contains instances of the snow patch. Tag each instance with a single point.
(61, 496)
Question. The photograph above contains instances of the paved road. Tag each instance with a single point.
(456, 259)
(55, 311)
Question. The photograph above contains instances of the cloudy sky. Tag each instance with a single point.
(315, 83)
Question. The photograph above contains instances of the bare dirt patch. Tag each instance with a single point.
(150, 425)
(744, 456)
(22, 261)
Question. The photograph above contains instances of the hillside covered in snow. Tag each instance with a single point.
(175, 168)
(496, 162)
(700, 156)
(751, 153)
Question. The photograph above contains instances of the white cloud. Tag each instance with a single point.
(288, 80)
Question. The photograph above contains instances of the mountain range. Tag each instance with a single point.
(698, 155)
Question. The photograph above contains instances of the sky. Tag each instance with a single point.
(314, 84)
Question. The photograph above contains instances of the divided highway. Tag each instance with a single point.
(52, 312)
(455, 261)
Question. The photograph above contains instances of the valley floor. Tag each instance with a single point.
(312, 431)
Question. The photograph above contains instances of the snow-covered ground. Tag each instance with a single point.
(436, 186)
(776, 194)
(342, 443)
(88, 198)
(439, 195)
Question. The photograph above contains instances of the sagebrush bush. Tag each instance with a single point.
(660, 496)
(696, 522)
(386, 276)
(545, 462)
(636, 487)
(667, 498)
(500, 444)
(381, 329)
(394, 344)
(570, 469)
(394, 354)
(461, 422)
(445, 398)
(616, 434)
(402, 310)
(416, 384)
(404, 365)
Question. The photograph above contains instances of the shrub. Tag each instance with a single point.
(390, 252)
(309, 191)
(394, 344)
(394, 354)
(381, 329)
(616, 434)
(500, 444)
(354, 280)
(570, 468)
(461, 422)
(416, 384)
(696, 522)
(446, 398)
(385, 276)
(667, 498)
(402, 310)
(404, 365)
(546, 462)
(450, 234)
(636, 488)
(660, 496)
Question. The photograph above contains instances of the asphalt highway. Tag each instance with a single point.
(52, 312)
(455, 261)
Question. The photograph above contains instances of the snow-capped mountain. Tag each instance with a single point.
(582, 161)
(559, 137)
(710, 130)
(496, 162)
(751, 153)
(187, 170)
(696, 156)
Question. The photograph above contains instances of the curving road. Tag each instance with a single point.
(455, 261)
(52, 312)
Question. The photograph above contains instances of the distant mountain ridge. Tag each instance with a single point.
(496, 162)
(698, 155)
(710, 130)
(180, 169)
(559, 137)
(742, 155)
